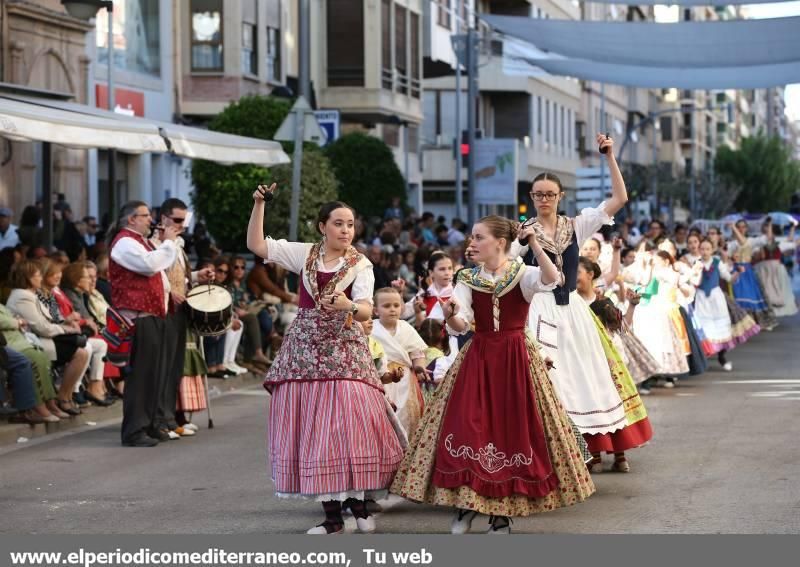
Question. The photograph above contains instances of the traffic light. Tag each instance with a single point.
(523, 212)
(464, 148)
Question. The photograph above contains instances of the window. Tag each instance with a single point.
(414, 51)
(547, 121)
(570, 131)
(345, 43)
(400, 57)
(137, 29)
(443, 13)
(539, 115)
(562, 141)
(207, 35)
(273, 54)
(391, 135)
(666, 128)
(249, 62)
(386, 44)
(413, 138)
(274, 42)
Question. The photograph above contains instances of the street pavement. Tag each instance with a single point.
(724, 459)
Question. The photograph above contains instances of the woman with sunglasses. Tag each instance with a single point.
(561, 320)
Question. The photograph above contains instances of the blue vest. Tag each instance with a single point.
(710, 277)
(570, 268)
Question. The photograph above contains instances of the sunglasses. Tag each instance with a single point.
(177, 220)
(238, 268)
(221, 271)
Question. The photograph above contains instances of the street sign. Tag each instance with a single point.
(311, 132)
(495, 171)
(328, 121)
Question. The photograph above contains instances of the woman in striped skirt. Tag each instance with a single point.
(333, 437)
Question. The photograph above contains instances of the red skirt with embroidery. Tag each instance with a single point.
(492, 439)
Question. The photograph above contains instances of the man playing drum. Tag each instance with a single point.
(187, 365)
(140, 290)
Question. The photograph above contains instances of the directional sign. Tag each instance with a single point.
(328, 121)
(312, 132)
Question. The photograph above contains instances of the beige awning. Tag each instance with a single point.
(80, 126)
(29, 122)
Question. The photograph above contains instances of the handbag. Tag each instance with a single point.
(118, 333)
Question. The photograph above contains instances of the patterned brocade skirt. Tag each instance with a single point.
(465, 455)
(332, 434)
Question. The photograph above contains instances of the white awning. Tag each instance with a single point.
(26, 122)
(196, 143)
(80, 126)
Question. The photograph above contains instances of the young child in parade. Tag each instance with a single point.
(404, 350)
(439, 356)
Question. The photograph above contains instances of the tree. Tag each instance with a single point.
(223, 194)
(761, 171)
(317, 187)
(368, 175)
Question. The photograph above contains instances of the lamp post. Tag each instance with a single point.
(86, 10)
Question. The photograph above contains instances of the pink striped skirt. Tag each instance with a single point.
(331, 440)
(191, 394)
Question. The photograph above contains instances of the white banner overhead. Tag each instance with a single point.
(763, 76)
(730, 43)
(687, 3)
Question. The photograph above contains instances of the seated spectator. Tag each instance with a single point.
(74, 298)
(8, 258)
(98, 308)
(44, 395)
(61, 340)
(254, 315)
(103, 283)
(17, 371)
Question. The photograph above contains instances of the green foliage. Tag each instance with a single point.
(762, 171)
(253, 116)
(317, 187)
(223, 194)
(368, 175)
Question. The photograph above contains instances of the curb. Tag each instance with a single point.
(11, 432)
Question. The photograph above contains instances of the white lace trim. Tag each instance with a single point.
(489, 458)
(341, 496)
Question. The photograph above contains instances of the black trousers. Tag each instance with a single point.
(175, 337)
(150, 364)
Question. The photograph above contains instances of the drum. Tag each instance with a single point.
(210, 309)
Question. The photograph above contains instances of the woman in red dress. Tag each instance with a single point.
(495, 439)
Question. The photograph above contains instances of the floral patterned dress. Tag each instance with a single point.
(495, 438)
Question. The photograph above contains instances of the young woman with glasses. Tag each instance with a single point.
(561, 321)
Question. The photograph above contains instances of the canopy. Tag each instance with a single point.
(682, 45)
(762, 76)
(80, 126)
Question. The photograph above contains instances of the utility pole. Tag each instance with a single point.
(299, 128)
(457, 144)
(472, 95)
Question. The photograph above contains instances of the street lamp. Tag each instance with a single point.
(86, 10)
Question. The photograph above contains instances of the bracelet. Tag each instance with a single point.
(354, 308)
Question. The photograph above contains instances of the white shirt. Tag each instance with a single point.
(132, 255)
(10, 238)
(292, 256)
